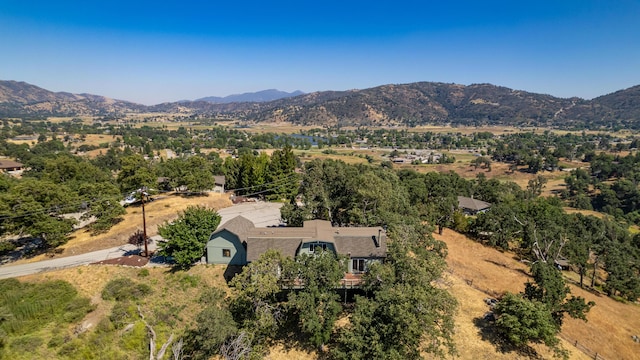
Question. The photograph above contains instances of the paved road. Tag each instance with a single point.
(261, 213)
(65, 262)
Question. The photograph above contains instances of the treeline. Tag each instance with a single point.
(57, 183)
(149, 140)
(610, 185)
(539, 151)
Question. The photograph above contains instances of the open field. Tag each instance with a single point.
(478, 272)
(96, 140)
(87, 120)
(349, 156)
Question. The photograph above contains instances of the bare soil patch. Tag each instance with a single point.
(478, 272)
(130, 260)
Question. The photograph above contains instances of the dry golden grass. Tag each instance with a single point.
(280, 352)
(165, 208)
(279, 127)
(20, 142)
(91, 279)
(348, 156)
(87, 120)
(597, 214)
(96, 140)
(469, 342)
(478, 272)
(496, 130)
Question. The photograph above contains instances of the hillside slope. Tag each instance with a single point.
(387, 105)
(20, 99)
(479, 272)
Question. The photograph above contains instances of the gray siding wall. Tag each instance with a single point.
(226, 243)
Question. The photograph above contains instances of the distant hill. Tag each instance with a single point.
(20, 99)
(442, 103)
(387, 105)
(260, 96)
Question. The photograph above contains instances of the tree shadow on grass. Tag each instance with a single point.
(522, 271)
(291, 338)
(25, 248)
(488, 332)
(231, 271)
(191, 194)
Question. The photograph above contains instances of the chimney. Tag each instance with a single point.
(376, 241)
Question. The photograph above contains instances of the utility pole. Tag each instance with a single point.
(144, 227)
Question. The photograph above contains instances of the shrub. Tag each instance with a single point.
(7, 246)
(123, 314)
(26, 344)
(124, 289)
(56, 340)
(143, 273)
(184, 280)
(76, 309)
(27, 307)
(136, 239)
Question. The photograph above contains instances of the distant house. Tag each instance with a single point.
(10, 165)
(239, 242)
(219, 181)
(471, 206)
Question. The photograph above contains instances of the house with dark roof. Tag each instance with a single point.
(471, 206)
(239, 242)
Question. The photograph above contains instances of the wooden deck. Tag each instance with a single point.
(349, 281)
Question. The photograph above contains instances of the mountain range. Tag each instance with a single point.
(394, 104)
(259, 96)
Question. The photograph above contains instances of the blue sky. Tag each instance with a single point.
(152, 52)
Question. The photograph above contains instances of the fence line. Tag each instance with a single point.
(592, 354)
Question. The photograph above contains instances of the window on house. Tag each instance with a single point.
(358, 265)
(315, 247)
(226, 252)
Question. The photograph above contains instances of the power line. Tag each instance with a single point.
(76, 205)
(264, 191)
(263, 184)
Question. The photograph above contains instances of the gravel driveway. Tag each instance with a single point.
(262, 214)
